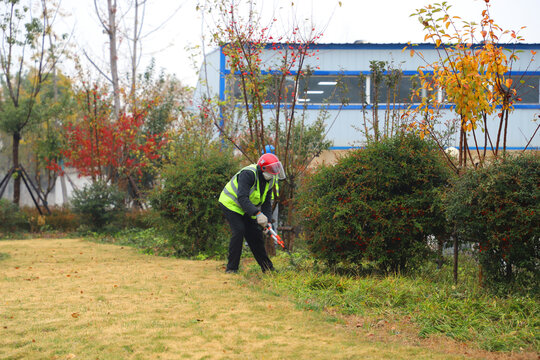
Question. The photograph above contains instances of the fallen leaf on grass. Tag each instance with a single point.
(381, 323)
(75, 315)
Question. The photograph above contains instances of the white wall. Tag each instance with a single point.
(56, 196)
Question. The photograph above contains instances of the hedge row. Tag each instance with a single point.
(381, 204)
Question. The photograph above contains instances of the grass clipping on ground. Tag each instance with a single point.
(70, 298)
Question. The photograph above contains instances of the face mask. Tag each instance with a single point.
(268, 176)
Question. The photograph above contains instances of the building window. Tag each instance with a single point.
(312, 89)
(271, 85)
(332, 89)
(528, 88)
(398, 89)
(360, 89)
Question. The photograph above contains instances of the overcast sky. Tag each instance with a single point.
(174, 26)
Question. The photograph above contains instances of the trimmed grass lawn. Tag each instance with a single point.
(69, 298)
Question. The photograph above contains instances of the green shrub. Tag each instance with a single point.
(187, 203)
(498, 209)
(12, 219)
(379, 204)
(98, 204)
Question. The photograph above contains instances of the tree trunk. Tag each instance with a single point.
(440, 246)
(480, 275)
(270, 247)
(509, 273)
(456, 255)
(113, 55)
(17, 180)
(134, 58)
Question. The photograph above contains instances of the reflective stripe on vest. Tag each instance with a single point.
(229, 195)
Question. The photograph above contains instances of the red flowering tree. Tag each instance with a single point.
(106, 148)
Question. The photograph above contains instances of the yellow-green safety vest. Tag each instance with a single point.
(276, 192)
(229, 195)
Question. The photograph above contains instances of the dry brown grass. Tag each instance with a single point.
(67, 298)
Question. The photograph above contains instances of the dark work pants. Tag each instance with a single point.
(243, 226)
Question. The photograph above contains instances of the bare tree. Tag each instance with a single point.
(23, 39)
(110, 26)
(114, 21)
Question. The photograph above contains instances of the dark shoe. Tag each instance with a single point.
(231, 271)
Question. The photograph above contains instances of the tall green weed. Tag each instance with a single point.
(465, 312)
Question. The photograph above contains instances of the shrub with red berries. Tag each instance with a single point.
(378, 204)
(497, 209)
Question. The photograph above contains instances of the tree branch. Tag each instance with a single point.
(97, 67)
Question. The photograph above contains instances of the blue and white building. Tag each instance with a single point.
(350, 64)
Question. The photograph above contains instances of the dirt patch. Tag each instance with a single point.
(402, 330)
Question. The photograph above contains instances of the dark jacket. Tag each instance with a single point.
(246, 179)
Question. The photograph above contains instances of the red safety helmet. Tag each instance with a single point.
(270, 163)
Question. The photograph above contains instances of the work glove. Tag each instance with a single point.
(262, 220)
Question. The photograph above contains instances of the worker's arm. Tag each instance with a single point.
(246, 179)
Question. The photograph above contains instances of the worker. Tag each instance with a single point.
(246, 205)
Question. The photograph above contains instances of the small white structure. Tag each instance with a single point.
(452, 151)
(60, 194)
